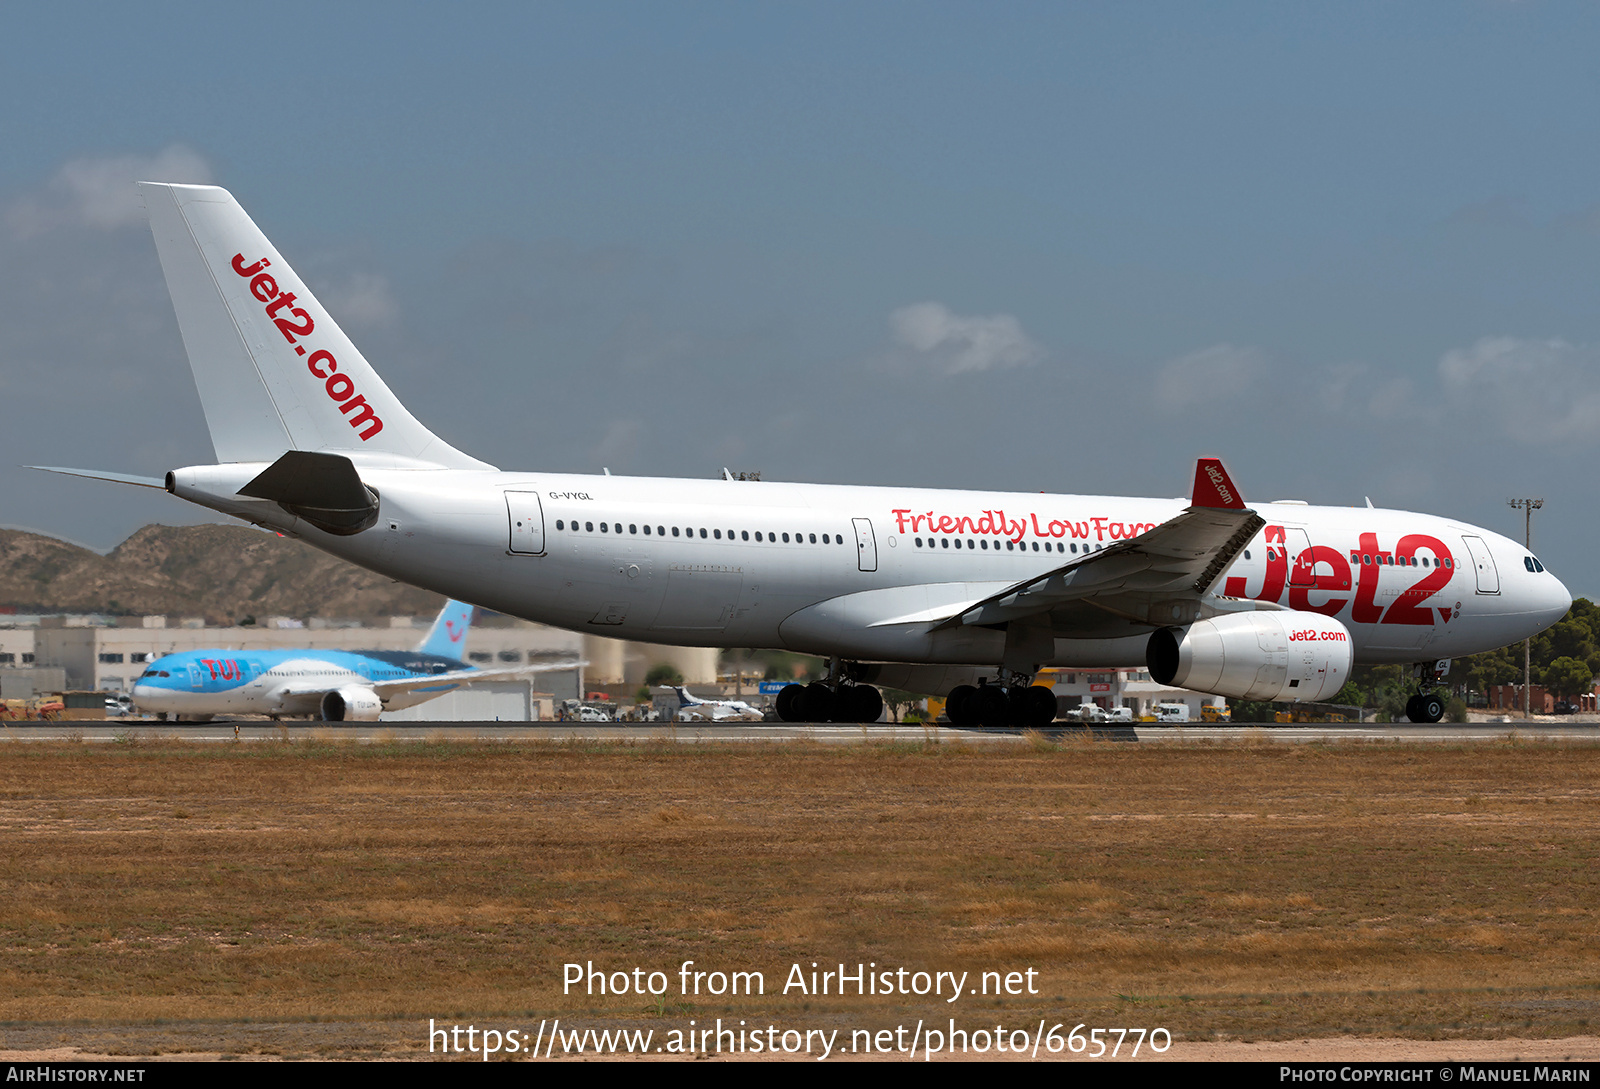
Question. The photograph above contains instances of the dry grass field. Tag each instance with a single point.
(1248, 891)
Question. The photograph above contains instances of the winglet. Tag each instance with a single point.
(1212, 488)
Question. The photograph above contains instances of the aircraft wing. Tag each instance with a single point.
(457, 677)
(1159, 577)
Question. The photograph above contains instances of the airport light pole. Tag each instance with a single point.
(1527, 506)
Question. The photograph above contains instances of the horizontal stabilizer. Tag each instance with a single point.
(324, 489)
(116, 478)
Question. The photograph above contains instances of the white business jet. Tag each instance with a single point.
(923, 590)
(691, 707)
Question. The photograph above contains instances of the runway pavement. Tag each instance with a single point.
(135, 730)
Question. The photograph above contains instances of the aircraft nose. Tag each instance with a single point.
(1556, 601)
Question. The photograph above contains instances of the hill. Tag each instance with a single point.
(223, 573)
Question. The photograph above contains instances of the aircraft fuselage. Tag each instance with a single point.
(866, 572)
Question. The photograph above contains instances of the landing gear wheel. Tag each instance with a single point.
(1412, 713)
(959, 706)
(992, 707)
(864, 702)
(789, 702)
(1431, 707)
(1036, 706)
(818, 703)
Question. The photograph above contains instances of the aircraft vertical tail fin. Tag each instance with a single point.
(448, 636)
(274, 371)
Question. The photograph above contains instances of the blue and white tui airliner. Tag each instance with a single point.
(919, 589)
(334, 685)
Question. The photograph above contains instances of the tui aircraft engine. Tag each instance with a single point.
(352, 703)
(1255, 656)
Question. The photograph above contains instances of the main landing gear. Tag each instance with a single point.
(1427, 705)
(821, 701)
(995, 705)
(832, 699)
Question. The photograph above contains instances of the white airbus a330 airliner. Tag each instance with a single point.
(919, 589)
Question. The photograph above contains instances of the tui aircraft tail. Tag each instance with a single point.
(275, 372)
(448, 636)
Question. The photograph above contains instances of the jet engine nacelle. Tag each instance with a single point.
(1255, 656)
(352, 703)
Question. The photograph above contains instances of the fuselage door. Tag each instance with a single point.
(1483, 561)
(866, 544)
(525, 519)
(1302, 567)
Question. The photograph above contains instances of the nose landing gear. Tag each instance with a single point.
(1427, 705)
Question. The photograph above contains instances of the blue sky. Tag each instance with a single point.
(1351, 249)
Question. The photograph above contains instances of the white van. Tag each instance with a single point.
(1172, 712)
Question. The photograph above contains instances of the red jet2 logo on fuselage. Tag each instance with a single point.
(1406, 608)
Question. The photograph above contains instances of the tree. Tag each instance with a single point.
(663, 673)
(898, 701)
(1568, 677)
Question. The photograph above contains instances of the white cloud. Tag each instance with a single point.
(1339, 382)
(1222, 374)
(98, 192)
(1539, 391)
(360, 299)
(955, 344)
(620, 444)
